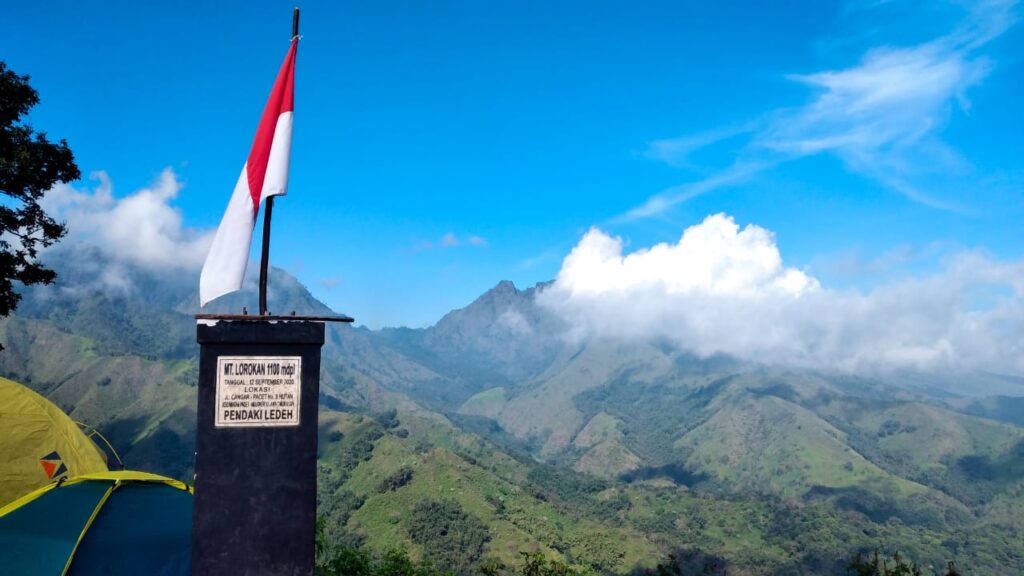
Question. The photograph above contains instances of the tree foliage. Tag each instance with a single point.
(690, 563)
(357, 562)
(339, 558)
(878, 564)
(394, 481)
(450, 538)
(346, 561)
(30, 164)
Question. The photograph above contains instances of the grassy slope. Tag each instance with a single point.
(524, 513)
(971, 459)
(765, 442)
(547, 409)
(488, 403)
(489, 485)
(604, 450)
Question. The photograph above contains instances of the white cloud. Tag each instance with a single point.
(515, 322)
(882, 117)
(142, 228)
(331, 282)
(723, 289)
(676, 151)
(740, 170)
(450, 240)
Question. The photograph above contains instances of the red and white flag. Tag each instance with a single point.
(265, 174)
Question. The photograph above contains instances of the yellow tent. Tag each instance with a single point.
(39, 443)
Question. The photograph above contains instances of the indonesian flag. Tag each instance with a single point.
(265, 174)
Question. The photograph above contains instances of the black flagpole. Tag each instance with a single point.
(265, 258)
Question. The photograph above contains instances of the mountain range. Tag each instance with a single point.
(606, 453)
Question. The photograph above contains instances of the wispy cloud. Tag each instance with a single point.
(676, 151)
(851, 265)
(548, 256)
(450, 240)
(738, 172)
(881, 117)
(330, 283)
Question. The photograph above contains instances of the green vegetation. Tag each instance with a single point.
(481, 481)
(690, 563)
(579, 494)
(396, 562)
(399, 478)
(895, 565)
(487, 403)
(450, 538)
(29, 166)
(345, 561)
(334, 559)
(608, 526)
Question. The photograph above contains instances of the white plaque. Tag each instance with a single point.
(257, 391)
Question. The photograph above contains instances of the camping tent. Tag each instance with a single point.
(109, 523)
(39, 443)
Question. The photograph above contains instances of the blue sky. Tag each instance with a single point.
(441, 147)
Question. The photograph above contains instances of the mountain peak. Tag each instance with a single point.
(505, 286)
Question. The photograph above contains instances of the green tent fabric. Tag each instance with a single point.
(39, 443)
(110, 523)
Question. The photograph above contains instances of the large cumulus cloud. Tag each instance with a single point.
(725, 289)
(113, 238)
(142, 228)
